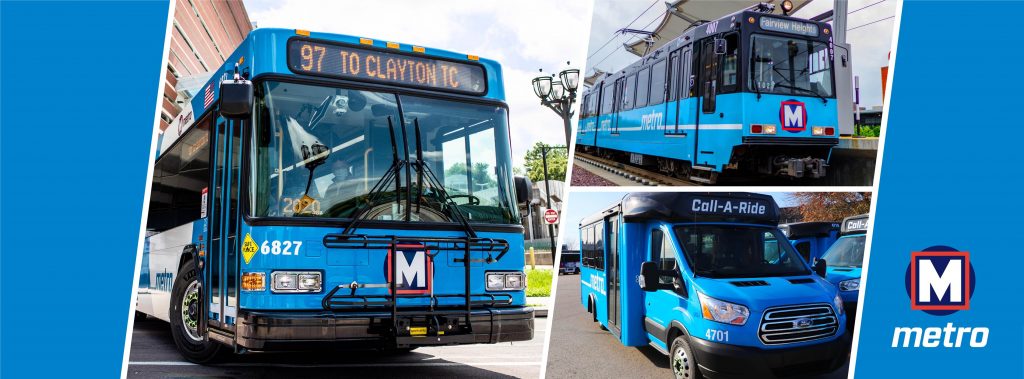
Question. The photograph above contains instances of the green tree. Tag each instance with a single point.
(832, 206)
(558, 160)
(482, 177)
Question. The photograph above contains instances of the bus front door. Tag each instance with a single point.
(222, 268)
(614, 282)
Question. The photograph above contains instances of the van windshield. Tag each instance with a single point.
(846, 252)
(734, 251)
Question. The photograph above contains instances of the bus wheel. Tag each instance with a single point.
(681, 360)
(184, 314)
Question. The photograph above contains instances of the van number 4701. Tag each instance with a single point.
(717, 335)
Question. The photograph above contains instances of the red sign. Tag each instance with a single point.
(550, 216)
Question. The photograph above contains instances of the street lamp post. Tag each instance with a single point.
(559, 96)
(547, 192)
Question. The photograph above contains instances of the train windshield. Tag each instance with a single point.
(732, 251)
(790, 66)
(319, 152)
(846, 252)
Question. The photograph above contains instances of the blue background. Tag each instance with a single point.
(78, 86)
(951, 175)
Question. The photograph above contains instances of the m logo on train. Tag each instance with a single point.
(793, 116)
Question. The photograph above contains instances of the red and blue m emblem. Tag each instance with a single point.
(793, 116)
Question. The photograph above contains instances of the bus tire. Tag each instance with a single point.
(681, 360)
(185, 304)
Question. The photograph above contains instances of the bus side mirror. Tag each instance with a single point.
(236, 99)
(524, 190)
(819, 267)
(648, 278)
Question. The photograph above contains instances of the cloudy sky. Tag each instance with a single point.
(870, 43)
(521, 35)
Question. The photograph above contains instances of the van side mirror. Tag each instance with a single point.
(648, 278)
(524, 190)
(236, 98)
(819, 267)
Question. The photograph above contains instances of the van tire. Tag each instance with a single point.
(196, 351)
(681, 360)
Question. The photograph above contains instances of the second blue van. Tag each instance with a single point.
(844, 261)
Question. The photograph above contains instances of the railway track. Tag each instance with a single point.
(635, 174)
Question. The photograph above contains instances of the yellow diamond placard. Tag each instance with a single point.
(249, 248)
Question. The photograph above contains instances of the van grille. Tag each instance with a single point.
(797, 323)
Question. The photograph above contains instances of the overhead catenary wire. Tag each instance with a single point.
(630, 40)
(872, 22)
(616, 35)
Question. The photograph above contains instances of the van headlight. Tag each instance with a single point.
(838, 302)
(723, 311)
(849, 285)
(506, 281)
(295, 281)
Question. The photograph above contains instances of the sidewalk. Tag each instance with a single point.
(541, 305)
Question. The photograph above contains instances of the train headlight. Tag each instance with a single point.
(506, 281)
(723, 311)
(787, 6)
(849, 285)
(295, 281)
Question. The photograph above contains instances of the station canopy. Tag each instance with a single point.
(681, 14)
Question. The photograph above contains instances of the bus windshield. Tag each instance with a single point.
(846, 252)
(465, 145)
(734, 251)
(790, 66)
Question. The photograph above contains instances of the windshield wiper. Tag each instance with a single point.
(393, 173)
(815, 93)
(425, 172)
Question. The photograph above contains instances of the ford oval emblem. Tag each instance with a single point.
(802, 323)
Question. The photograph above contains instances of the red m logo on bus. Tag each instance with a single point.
(414, 268)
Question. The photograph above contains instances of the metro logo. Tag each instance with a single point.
(940, 281)
(415, 269)
(793, 116)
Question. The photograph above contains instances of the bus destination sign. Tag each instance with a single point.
(350, 62)
(789, 26)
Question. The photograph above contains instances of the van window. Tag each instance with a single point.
(664, 254)
(734, 251)
(804, 248)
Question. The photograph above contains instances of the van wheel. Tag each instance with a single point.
(681, 360)
(184, 314)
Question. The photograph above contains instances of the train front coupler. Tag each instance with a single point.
(800, 167)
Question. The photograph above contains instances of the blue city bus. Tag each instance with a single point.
(811, 239)
(752, 92)
(330, 191)
(844, 261)
(710, 281)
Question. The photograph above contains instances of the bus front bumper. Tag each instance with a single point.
(717, 360)
(264, 331)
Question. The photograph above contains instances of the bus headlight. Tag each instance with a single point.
(849, 285)
(506, 281)
(295, 281)
(723, 311)
(838, 302)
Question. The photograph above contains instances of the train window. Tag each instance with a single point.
(642, 85)
(790, 66)
(607, 98)
(673, 76)
(686, 79)
(730, 69)
(626, 92)
(657, 83)
(585, 106)
(709, 76)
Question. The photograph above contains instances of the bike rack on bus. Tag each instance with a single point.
(434, 246)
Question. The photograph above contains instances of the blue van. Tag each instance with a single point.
(709, 280)
(811, 239)
(844, 260)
